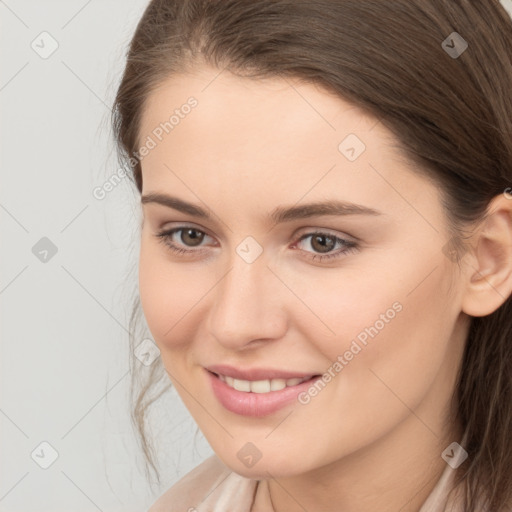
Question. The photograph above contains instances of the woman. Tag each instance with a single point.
(326, 247)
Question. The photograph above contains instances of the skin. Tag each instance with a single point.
(372, 438)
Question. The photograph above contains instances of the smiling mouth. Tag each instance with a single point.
(262, 386)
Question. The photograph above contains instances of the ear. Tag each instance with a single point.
(489, 268)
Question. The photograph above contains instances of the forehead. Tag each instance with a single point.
(273, 138)
(280, 106)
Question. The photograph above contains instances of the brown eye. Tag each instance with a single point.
(182, 240)
(191, 237)
(323, 243)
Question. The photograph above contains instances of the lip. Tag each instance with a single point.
(252, 404)
(256, 373)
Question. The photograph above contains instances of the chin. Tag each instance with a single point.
(263, 468)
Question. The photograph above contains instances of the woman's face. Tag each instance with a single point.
(260, 282)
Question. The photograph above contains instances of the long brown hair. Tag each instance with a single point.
(452, 116)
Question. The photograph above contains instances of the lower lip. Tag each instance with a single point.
(256, 404)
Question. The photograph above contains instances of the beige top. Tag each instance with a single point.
(213, 487)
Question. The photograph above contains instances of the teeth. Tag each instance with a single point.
(294, 382)
(242, 385)
(260, 386)
(277, 384)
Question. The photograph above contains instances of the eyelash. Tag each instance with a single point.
(166, 236)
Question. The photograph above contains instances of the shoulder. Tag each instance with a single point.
(184, 493)
(207, 486)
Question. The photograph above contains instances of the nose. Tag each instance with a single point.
(248, 305)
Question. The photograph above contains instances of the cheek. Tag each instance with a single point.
(393, 344)
(398, 319)
(402, 348)
(167, 294)
(336, 306)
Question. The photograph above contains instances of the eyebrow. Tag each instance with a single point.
(278, 215)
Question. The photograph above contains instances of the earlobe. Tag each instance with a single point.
(489, 268)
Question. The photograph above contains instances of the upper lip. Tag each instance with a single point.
(256, 373)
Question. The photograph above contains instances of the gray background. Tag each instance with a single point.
(64, 354)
